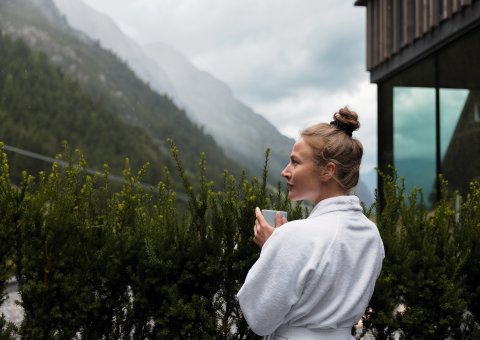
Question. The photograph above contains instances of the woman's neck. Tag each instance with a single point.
(329, 190)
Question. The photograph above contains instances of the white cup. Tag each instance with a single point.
(269, 216)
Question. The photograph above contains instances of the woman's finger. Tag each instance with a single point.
(261, 220)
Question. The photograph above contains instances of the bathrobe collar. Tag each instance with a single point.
(337, 203)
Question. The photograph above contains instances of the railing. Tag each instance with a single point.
(111, 177)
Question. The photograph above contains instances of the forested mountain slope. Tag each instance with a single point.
(40, 107)
(92, 99)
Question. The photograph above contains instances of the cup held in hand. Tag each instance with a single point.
(269, 216)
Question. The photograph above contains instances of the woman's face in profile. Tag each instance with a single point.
(302, 174)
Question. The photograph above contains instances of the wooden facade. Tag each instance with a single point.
(415, 45)
(393, 25)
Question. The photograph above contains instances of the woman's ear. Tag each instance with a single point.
(328, 171)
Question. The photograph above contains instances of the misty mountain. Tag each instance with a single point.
(419, 173)
(112, 87)
(366, 187)
(82, 17)
(243, 134)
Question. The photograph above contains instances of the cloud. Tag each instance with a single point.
(261, 49)
(307, 106)
(302, 46)
(414, 122)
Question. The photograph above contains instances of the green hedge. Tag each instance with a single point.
(135, 264)
(429, 287)
(95, 264)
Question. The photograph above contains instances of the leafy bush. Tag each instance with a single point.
(94, 263)
(430, 281)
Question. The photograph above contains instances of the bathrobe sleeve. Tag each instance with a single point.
(276, 281)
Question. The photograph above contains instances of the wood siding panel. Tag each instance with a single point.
(381, 15)
(426, 16)
(394, 24)
(434, 13)
(409, 22)
(370, 42)
(375, 32)
(397, 25)
(455, 6)
(447, 9)
(388, 29)
(418, 18)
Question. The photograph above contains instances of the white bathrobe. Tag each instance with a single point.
(314, 277)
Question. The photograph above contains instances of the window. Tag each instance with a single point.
(452, 103)
(459, 83)
(414, 138)
(422, 134)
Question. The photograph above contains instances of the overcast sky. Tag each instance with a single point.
(293, 61)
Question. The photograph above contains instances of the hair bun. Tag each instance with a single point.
(346, 120)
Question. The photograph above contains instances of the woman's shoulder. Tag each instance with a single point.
(308, 231)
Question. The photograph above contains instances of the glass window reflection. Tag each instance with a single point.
(460, 137)
(414, 138)
(452, 102)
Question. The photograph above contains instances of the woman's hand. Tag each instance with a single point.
(262, 230)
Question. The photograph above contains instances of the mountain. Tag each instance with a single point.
(41, 108)
(112, 87)
(82, 17)
(366, 187)
(419, 173)
(242, 133)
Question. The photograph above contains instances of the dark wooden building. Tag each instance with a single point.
(424, 56)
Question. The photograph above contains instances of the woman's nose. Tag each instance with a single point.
(285, 172)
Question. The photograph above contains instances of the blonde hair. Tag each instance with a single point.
(334, 143)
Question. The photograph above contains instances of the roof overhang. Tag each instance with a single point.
(447, 32)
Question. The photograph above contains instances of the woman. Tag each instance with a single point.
(315, 276)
